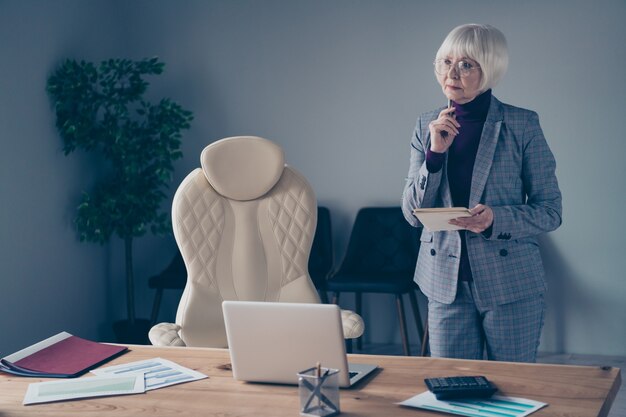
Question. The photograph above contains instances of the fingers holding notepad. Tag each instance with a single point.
(481, 218)
(438, 219)
(475, 220)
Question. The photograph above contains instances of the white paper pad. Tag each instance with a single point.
(496, 406)
(158, 372)
(98, 386)
(436, 219)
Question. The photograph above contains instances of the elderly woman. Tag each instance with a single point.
(484, 278)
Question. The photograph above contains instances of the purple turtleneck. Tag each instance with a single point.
(461, 158)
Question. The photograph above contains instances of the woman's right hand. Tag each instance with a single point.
(443, 130)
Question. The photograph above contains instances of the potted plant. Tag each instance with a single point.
(101, 108)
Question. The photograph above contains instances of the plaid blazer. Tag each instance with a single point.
(514, 174)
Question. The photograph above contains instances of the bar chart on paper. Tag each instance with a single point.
(496, 406)
(158, 372)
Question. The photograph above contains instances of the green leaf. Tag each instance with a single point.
(102, 108)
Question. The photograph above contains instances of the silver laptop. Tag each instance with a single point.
(272, 342)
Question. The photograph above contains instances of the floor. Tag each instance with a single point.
(619, 405)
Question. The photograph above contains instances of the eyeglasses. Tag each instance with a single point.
(463, 68)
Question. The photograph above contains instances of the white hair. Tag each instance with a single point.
(482, 43)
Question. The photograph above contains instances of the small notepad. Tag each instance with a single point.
(436, 219)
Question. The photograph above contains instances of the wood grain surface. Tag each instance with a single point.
(570, 391)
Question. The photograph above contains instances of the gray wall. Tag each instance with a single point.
(338, 84)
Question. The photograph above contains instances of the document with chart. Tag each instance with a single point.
(158, 372)
(495, 406)
(97, 386)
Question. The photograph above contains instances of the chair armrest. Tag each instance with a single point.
(166, 334)
(353, 325)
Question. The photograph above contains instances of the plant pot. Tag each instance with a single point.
(137, 334)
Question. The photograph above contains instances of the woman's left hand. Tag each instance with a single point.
(481, 219)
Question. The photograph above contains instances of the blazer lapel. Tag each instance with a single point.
(486, 149)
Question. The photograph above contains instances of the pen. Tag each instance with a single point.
(444, 133)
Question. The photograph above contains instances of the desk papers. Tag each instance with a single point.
(59, 356)
(45, 392)
(158, 372)
(129, 378)
(436, 219)
(496, 406)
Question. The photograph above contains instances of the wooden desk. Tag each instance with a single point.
(570, 391)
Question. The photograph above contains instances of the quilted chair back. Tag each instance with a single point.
(244, 224)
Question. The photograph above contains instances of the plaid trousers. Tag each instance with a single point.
(467, 330)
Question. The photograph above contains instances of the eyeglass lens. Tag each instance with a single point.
(443, 66)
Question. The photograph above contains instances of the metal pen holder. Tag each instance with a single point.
(319, 392)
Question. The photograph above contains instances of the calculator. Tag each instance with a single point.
(447, 388)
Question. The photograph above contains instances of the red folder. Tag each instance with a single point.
(61, 356)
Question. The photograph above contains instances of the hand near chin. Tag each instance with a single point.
(443, 130)
(479, 221)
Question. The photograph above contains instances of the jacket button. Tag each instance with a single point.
(432, 252)
(503, 252)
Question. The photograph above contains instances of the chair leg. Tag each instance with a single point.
(405, 340)
(425, 351)
(416, 314)
(358, 301)
(156, 305)
(323, 296)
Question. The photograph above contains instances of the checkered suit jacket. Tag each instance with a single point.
(514, 174)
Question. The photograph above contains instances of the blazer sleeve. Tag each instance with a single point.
(420, 189)
(543, 208)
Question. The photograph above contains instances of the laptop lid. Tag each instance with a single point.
(272, 342)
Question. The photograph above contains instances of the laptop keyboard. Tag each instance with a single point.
(352, 374)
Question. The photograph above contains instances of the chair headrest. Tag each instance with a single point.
(243, 167)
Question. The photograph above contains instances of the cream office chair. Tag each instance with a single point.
(244, 224)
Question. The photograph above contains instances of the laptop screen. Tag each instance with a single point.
(272, 342)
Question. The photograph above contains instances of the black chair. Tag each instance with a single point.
(381, 258)
(321, 256)
(174, 277)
